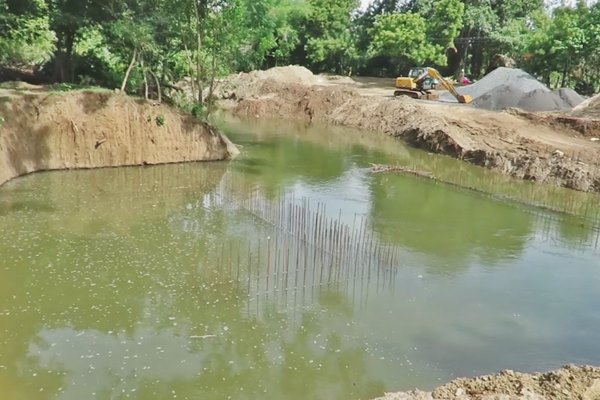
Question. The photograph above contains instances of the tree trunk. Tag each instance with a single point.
(191, 72)
(59, 69)
(158, 89)
(199, 68)
(212, 84)
(70, 70)
(129, 69)
(564, 75)
(462, 50)
(477, 60)
(146, 92)
(478, 72)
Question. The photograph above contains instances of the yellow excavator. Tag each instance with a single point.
(420, 83)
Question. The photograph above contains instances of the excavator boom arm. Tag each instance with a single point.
(448, 86)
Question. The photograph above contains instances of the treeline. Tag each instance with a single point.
(143, 45)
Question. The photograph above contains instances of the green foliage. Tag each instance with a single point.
(86, 42)
(404, 36)
(444, 19)
(287, 17)
(196, 109)
(62, 87)
(329, 38)
(160, 120)
(25, 35)
(480, 18)
(561, 48)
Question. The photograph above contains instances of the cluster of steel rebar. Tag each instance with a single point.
(297, 249)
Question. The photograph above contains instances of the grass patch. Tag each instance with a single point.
(70, 87)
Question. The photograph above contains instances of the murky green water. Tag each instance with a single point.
(242, 281)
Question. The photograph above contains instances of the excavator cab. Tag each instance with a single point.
(418, 84)
(422, 79)
(417, 79)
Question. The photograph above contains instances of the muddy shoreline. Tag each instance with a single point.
(568, 383)
(512, 144)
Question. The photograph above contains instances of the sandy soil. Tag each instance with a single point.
(510, 142)
(42, 130)
(568, 383)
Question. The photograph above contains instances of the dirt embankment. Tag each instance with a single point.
(503, 141)
(47, 131)
(568, 383)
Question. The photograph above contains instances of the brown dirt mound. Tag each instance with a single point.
(244, 85)
(590, 108)
(508, 143)
(296, 101)
(587, 127)
(98, 129)
(567, 383)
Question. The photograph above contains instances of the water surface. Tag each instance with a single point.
(184, 281)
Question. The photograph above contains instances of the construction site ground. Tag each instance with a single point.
(556, 148)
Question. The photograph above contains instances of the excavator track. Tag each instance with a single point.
(410, 93)
(416, 94)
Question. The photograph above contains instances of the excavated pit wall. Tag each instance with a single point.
(489, 145)
(51, 131)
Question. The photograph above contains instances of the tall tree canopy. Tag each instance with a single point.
(137, 44)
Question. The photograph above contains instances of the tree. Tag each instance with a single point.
(536, 56)
(288, 17)
(588, 75)
(67, 18)
(568, 41)
(25, 35)
(558, 45)
(329, 44)
(403, 38)
(445, 21)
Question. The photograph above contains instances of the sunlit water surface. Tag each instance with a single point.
(176, 282)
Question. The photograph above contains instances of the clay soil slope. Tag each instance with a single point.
(42, 130)
(503, 141)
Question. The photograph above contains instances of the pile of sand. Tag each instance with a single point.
(244, 85)
(290, 74)
(571, 97)
(590, 108)
(507, 87)
(567, 383)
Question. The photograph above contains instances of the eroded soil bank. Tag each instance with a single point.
(568, 383)
(503, 141)
(48, 131)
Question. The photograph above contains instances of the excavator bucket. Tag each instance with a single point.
(464, 99)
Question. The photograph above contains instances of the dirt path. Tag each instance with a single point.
(510, 126)
(511, 143)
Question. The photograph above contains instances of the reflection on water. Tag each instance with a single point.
(246, 280)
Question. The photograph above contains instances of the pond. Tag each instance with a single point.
(293, 272)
